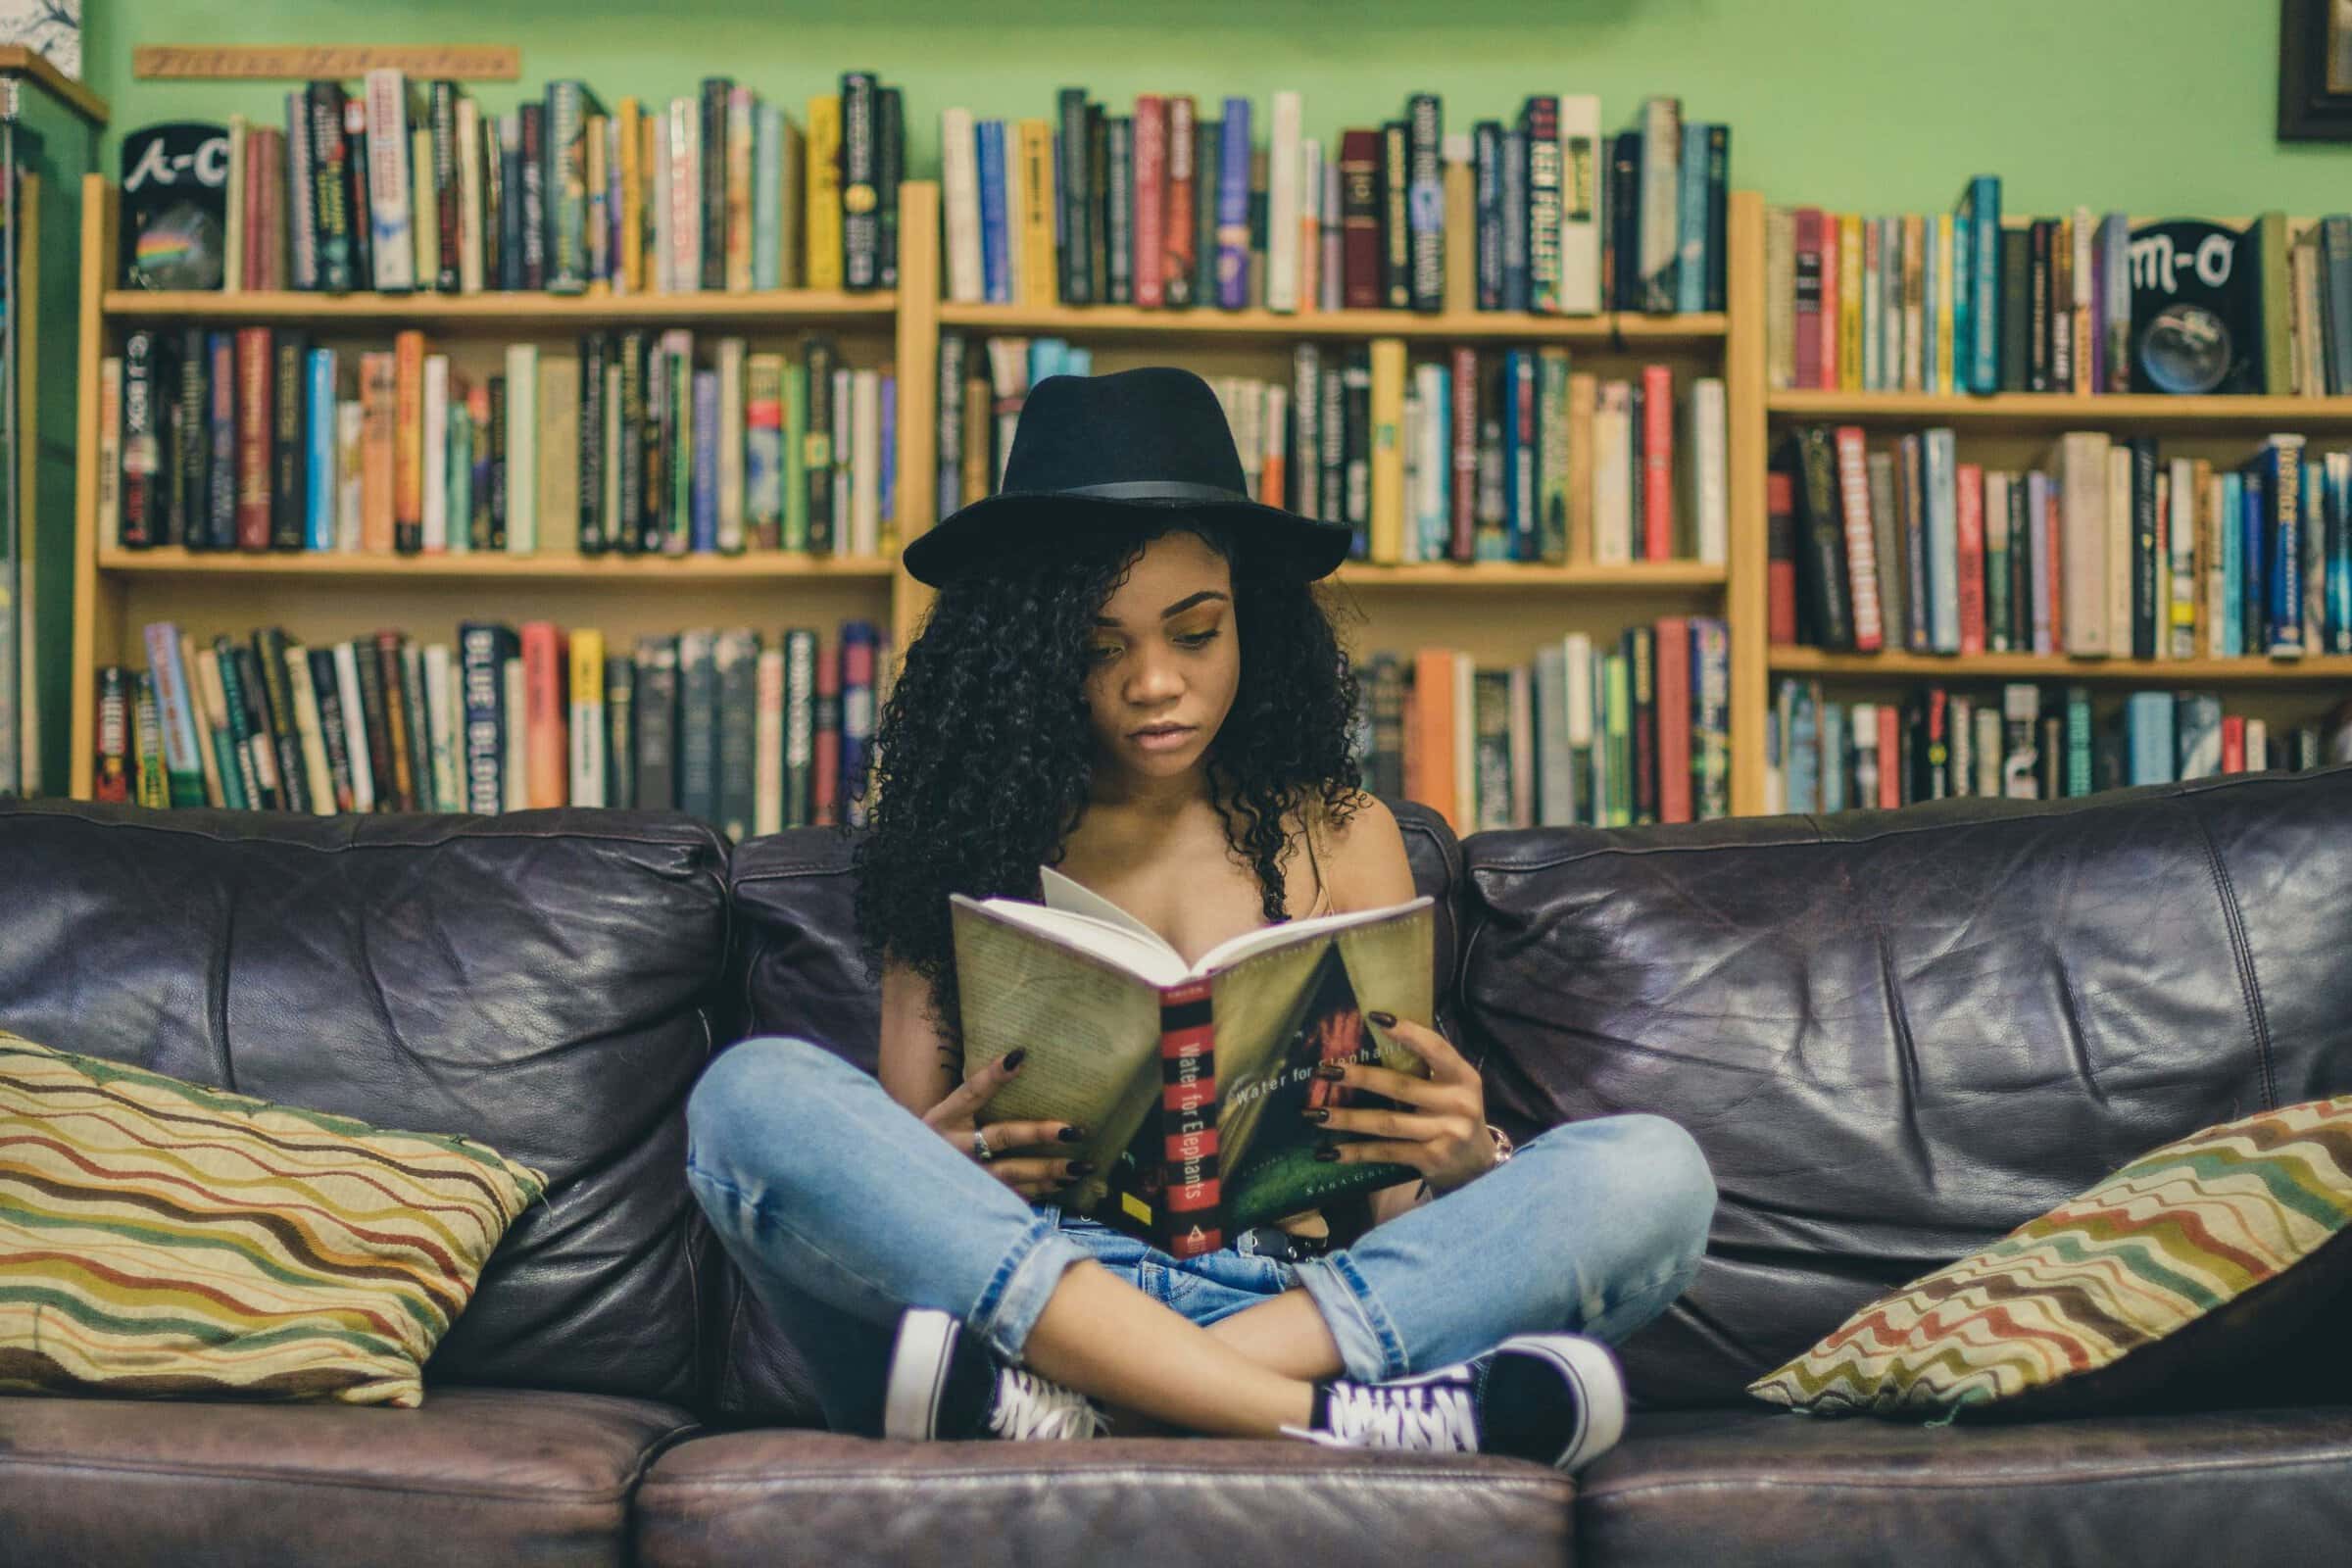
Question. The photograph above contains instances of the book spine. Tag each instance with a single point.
(392, 247)
(566, 183)
(289, 502)
(1425, 200)
(1179, 253)
(223, 488)
(1233, 207)
(1191, 1219)
(256, 462)
(1118, 207)
(656, 715)
(1395, 215)
(860, 219)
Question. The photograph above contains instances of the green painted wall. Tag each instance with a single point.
(2145, 104)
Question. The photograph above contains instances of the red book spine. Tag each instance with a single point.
(1780, 570)
(1359, 220)
(1151, 153)
(1971, 552)
(1861, 543)
(1178, 243)
(1657, 463)
(825, 785)
(1674, 719)
(1808, 298)
(1464, 490)
(253, 429)
(545, 714)
(2234, 743)
(1191, 1217)
(1827, 324)
(1890, 752)
(2053, 531)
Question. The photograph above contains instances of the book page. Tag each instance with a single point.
(1235, 950)
(1064, 893)
(1145, 957)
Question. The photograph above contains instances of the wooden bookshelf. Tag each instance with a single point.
(2060, 667)
(619, 571)
(2014, 413)
(535, 312)
(1101, 321)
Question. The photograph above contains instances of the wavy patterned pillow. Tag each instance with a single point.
(161, 1238)
(2146, 1289)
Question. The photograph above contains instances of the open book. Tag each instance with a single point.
(1189, 1079)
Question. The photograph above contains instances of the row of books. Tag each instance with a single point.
(750, 733)
(1583, 733)
(635, 441)
(397, 188)
(2085, 304)
(2114, 550)
(21, 649)
(2023, 743)
(1166, 207)
(1487, 454)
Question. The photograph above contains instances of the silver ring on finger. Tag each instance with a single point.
(980, 1150)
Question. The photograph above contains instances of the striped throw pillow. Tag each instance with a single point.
(2151, 1285)
(159, 1238)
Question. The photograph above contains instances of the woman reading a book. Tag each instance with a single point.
(1127, 676)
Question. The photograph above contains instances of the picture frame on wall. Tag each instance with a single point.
(2315, 71)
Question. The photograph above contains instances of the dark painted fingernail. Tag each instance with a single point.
(1315, 1114)
(1013, 1059)
(1330, 1071)
(1072, 1134)
(1082, 1168)
(1326, 1152)
(1387, 1021)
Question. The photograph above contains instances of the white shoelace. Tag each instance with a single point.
(1028, 1408)
(1433, 1418)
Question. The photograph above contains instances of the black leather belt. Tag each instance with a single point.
(1271, 1241)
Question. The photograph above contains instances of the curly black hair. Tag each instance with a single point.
(983, 754)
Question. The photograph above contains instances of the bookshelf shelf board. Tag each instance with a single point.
(2167, 672)
(631, 571)
(501, 309)
(1637, 577)
(2048, 410)
(1501, 327)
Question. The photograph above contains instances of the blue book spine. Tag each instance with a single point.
(2148, 738)
(1514, 220)
(482, 651)
(2339, 553)
(1437, 517)
(319, 525)
(1962, 368)
(2285, 573)
(1521, 476)
(703, 526)
(857, 714)
(1832, 757)
(1233, 207)
(767, 196)
(995, 268)
(886, 488)
(1046, 357)
(1487, 152)
(1985, 284)
(1804, 753)
(2252, 562)
(2233, 570)
(1078, 362)
(1690, 250)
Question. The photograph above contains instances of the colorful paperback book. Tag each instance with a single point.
(1189, 1079)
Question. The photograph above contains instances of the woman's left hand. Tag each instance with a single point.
(1443, 1134)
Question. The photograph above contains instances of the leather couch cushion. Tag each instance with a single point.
(536, 982)
(1739, 1486)
(509, 1476)
(1173, 1502)
(799, 973)
(1898, 1036)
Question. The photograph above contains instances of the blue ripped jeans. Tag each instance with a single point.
(842, 1209)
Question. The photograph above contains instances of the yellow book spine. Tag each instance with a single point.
(586, 732)
(823, 192)
(1849, 302)
(1943, 304)
(427, 224)
(1039, 284)
(1387, 451)
(631, 269)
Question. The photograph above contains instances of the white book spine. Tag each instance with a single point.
(865, 463)
(768, 808)
(730, 444)
(2118, 582)
(685, 194)
(1329, 278)
(1433, 489)
(1282, 205)
(110, 450)
(1310, 221)
(1612, 489)
(1580, 203)
(522, 448)
(469, 196)
(441, 724)
(1944, 541)
(656, 209)
(436, 453)
(2217, 571)
(1465, 741)
(1661, 188)
(844, 422)
(959, 201)
(585, 744)
(392, 244)
(309, 735)
(354, 728)
(2258, 746)
(515, 753)
(1709, 416)
(350, 479)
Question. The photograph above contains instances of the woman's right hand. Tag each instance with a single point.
(1015, 1146)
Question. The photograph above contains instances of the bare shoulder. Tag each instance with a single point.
(1367, 866)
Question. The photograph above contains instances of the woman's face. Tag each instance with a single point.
(1164, 660)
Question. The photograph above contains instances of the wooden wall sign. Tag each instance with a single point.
(322, 62)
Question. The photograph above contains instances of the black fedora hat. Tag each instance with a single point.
(1097, 447)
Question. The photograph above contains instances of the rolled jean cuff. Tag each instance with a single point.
(1018, 1289)
(1370, 1349)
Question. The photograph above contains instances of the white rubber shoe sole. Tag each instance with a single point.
(1588, 1367)
(918, 1373)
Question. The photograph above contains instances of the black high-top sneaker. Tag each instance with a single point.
(1557, 1398)
(946, 1386)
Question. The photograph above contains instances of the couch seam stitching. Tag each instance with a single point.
(2242, 953)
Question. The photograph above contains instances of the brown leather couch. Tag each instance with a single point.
(1896, 1035)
